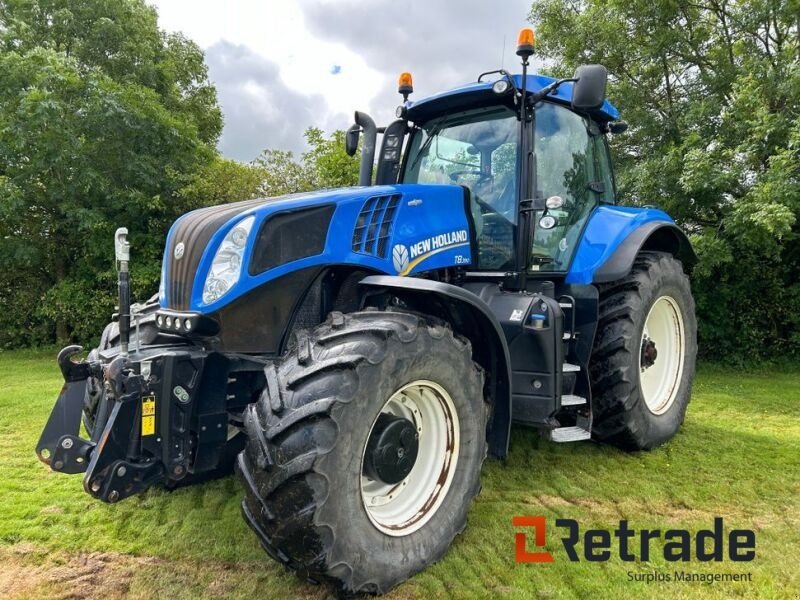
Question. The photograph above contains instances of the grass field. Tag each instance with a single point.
(738, 456)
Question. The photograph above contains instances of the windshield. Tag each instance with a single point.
(477, 149)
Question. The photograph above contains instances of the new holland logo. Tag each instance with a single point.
(179, 249)
(406, 258)
(400, 258)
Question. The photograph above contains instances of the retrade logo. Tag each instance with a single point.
(632, 545)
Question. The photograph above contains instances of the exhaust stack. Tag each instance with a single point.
(365, 122)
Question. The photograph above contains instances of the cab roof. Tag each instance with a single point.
(475, 93)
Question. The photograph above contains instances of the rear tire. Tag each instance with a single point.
(643, 360)
(304, 464)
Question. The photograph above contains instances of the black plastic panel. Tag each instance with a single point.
(258, 320)
(289, 236)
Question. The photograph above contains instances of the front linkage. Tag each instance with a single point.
(150, 425)
(131, 447)
(105, 458)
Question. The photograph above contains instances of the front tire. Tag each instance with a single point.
(313, 495)
(643, 360)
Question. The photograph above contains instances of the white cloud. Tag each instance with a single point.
(282, 66)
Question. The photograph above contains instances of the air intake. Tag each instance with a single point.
(374, 225)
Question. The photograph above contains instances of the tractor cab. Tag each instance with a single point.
(527, 213)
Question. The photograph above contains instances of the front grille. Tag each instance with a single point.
(374, 225)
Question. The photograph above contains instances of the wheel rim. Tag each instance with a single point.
(402, 508)
(662, 352)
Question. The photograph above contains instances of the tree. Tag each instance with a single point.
(103, 119)
(324, 165)
(712, 92)
(224, 180)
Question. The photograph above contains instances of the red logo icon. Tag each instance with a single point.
(522, 555)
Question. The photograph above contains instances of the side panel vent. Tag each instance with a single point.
(374, 225)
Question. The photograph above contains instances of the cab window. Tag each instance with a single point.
(566, 168)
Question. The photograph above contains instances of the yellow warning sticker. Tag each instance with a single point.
(148, 415)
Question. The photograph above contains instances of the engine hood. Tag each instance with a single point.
(377, 228)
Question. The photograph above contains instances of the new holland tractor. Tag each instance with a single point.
(356, 353)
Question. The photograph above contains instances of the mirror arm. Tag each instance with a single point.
(549, 89)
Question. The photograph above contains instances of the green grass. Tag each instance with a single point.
(737, 456)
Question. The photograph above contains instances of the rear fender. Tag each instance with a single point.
(656, 236)
(614, 236)
(471, 317)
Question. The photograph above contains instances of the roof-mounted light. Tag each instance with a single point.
(526, 42)
(501, 86)
(405, 85)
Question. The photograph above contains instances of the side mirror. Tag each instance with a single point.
(589, 91)
(351, 140)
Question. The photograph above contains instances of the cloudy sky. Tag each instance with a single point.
(282, 65)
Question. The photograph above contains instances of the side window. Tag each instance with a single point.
(566, 166)
(605, 173)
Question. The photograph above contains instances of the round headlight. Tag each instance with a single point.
(554, 202)
(187, 324)
(168, 322)
(159, 320)
(547, 222)
(214, 289)
(501, 86)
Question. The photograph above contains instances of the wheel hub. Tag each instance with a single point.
(392, 449)
(661, 368)
(649, 353)
(409, 458)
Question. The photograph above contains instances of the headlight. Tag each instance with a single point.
(227, 264)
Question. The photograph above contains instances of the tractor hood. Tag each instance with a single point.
(395, 229)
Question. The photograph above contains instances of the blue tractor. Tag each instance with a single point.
(356, 353)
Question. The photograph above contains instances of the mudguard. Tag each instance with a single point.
(614, 236)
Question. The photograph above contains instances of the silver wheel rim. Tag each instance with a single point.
(660, 379)
(402, 508)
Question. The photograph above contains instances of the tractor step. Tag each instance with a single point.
(570, 368)
(569, 434)
(572, 400)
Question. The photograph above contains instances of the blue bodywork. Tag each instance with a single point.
(430, 231)
(607, 228)
(534, 83)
